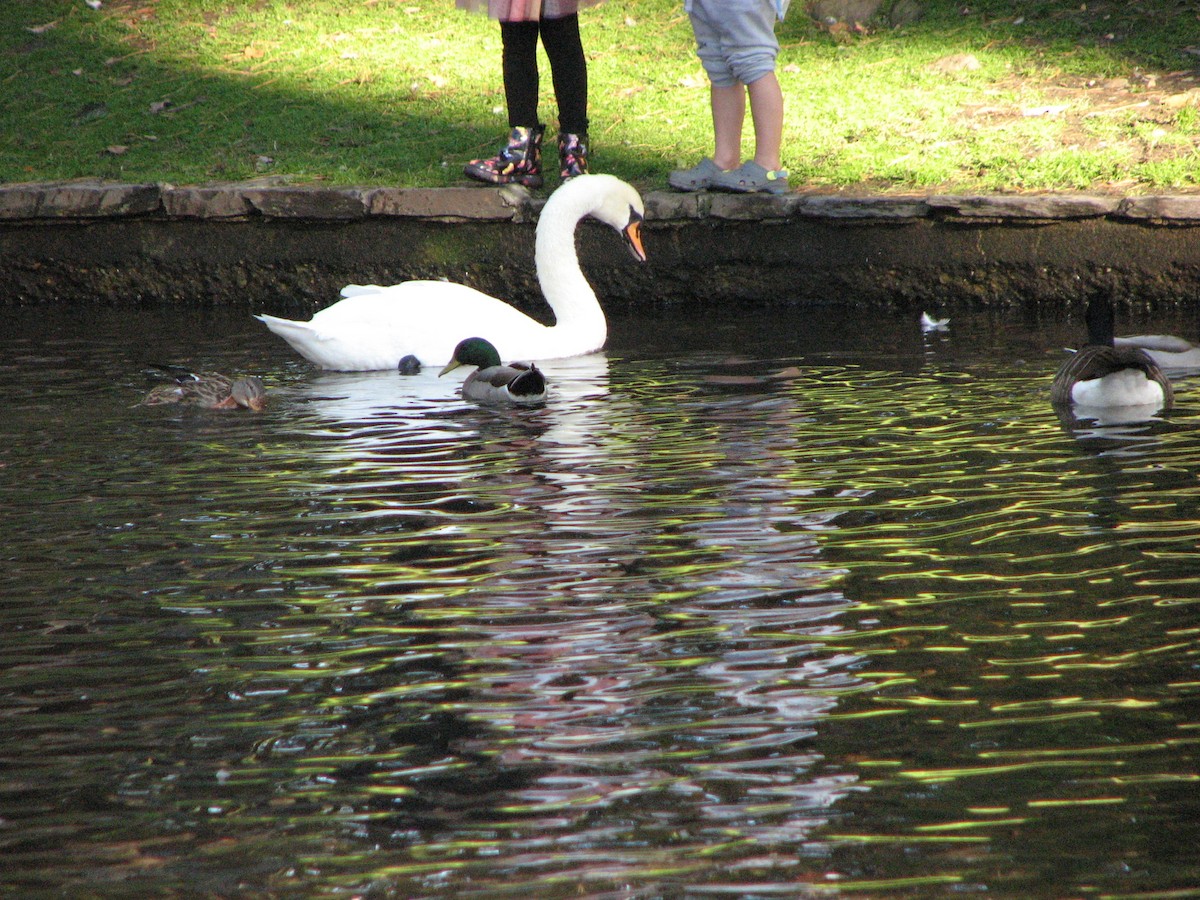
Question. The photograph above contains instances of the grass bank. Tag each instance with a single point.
(979, 96)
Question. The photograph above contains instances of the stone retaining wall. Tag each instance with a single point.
(289, 249)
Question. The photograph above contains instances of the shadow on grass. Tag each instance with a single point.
(90, 107)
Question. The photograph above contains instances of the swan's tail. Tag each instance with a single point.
(288, 329)
(300, 336)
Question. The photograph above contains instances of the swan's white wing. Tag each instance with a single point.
(356, 290)
(374, 327)
(1167, 343)
(1169, 351)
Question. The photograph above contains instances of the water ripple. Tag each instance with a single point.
(757, 620)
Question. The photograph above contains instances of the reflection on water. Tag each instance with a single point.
(749, 608)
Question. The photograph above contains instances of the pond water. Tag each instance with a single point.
(786, 604)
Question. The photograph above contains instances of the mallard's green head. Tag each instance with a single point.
(473, 351)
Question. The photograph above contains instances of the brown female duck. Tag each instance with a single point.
(210, 390)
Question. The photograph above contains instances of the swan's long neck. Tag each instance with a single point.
(577, 313)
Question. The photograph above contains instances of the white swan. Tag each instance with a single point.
(1169, 351)
(375, 327)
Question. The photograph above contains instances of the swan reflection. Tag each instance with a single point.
(370, 406)
(623, 570)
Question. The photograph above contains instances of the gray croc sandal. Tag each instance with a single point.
(697, 178)
(751, 178)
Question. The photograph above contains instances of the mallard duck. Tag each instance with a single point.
(515, 384)
(374, 327)
(211, 390)
(1103, 375)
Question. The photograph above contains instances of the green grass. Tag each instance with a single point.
(403, 92)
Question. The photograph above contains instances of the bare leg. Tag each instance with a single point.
(766, 109)
(728, 113)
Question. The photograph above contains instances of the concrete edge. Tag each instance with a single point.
(88, 200)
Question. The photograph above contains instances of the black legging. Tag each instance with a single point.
(568, 69)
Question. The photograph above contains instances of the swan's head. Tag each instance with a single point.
(609, 200)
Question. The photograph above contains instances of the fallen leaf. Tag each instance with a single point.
(116, 150)
(159, 106)
(1177, 101)
(1116, 109)
(732, 379)
(42, 29)
(956, 62)
(90, 112)
(789, 372)
(1035, 111)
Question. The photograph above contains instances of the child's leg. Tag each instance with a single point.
(766, 109)
(568, 68)
(520, 159)
(747, 34)
(728, 115)
(520, 72)
(727, 95)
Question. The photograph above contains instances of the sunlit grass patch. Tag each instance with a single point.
(403, 92)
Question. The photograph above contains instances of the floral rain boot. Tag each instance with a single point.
(519, 161)
(572, 154)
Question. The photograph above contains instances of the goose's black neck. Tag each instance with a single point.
(1100, 323)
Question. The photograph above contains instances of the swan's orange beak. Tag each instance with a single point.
(633, 236)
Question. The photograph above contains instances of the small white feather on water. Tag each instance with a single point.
(929, 323)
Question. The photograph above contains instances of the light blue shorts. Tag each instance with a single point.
(735, 39)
